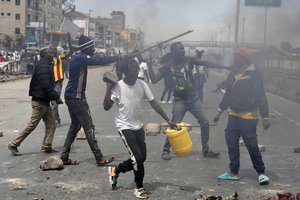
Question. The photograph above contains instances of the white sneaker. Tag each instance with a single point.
(162, 102)
(170, 101)
(141, 193)
(112, 177)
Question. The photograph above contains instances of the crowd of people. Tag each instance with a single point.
(184, 76)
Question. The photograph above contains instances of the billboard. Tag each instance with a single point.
(265, 3)
(30, 39)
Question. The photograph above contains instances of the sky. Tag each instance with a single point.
(210, 19)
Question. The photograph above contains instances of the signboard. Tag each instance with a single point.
(265, 3)
(30, 40)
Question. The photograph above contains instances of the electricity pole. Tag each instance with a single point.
(237, 16)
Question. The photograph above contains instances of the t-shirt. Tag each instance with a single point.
(143, 67)
(128, 99)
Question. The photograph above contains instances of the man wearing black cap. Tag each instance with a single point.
(76, 100)
(42, 92)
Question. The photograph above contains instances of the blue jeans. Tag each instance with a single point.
(180, 107)
(245, 128)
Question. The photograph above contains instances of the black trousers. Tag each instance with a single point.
(80, 116)
(134, 141)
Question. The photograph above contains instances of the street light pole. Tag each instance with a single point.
(229, 27)
(221, 39)
(265, 31)
(88, 26)
(237, 16)
(127, 38)
(243, 31)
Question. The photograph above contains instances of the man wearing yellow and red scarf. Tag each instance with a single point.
(245, 99)
(59, 63)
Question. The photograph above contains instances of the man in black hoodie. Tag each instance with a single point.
(42, 92)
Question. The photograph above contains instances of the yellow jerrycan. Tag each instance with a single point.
(180, 140)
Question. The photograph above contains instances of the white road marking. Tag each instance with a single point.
(289, 119)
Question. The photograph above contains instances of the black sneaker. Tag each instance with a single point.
(166, 156)
(113, 176)
(211, 154)
(14, 150)
(49, 150)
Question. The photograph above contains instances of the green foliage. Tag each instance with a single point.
(15, 42)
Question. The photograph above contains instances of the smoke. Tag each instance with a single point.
(282, 24)
(162, 19)
(144, 12)
(148, 18)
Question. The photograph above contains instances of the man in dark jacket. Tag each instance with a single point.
(179, 69)
(42, 92)
(245, 98)
(76, 100)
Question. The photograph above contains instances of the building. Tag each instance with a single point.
(108, 30)
(42, 17)
(85, 22)
(31, 18)
(12, 17)
(130, 39)
(118, 21)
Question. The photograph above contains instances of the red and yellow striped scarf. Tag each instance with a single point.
(58, 68)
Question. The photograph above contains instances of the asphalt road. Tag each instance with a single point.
(180, 178)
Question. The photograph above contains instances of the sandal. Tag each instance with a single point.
(71, 162)
(106, 160)
(228, 176)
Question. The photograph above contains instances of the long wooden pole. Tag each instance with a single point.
(160, 43)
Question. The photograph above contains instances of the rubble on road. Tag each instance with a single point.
(51, 163)
(6, 78)
(152, 129)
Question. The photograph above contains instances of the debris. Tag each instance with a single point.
(262, 148)
(276, 184)
(81, 135)
(53, 162)
(152, 129)
(297, 150)
(284, 196)
(31, 193)
(1, 133)
(20, 188)
(212, 197)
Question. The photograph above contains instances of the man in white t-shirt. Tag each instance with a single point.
(143, 73)
(128, 95)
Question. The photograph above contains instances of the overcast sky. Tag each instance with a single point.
(161, 19)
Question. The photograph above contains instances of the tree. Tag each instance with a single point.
(19, 41)
(16, 42)
(8, 41)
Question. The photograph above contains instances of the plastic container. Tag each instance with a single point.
(180, 140)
